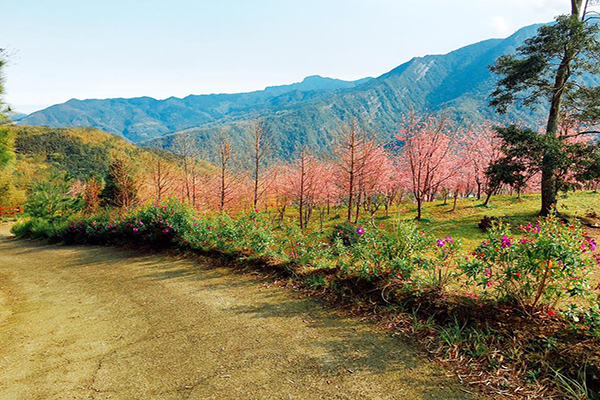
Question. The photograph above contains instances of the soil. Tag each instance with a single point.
(91, 322)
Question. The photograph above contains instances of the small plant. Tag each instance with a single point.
(487, 222)
(550, 262)
(348, 233)
(441, 270)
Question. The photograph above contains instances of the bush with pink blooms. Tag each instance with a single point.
(552, 261)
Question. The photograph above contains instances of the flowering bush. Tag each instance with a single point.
(550, 262)
(378, 252)
(441, 269)
(348, 233)
(248, 234)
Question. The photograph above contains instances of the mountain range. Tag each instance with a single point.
(310, 112)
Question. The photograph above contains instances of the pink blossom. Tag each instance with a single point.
(505, 241)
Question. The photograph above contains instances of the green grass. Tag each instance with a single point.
(439, 220)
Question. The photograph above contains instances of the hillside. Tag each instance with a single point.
(79, 152)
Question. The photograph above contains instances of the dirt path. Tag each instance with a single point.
(103, 323)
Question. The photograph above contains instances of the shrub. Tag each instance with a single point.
(348, 233)
(552, 261)
(39, 228)
(441, 270)
(51, 199)
(376, 252)
(487, 222)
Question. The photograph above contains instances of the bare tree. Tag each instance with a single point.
(353, 150)
(186, 147)
(224, 163)
(261, 147)
(163, 178)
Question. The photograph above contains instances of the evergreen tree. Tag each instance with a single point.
(7, 140)
(121, 188)
(4, 109)
(548, 69)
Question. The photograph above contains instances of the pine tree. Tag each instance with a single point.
(121, 188)
(547, 70)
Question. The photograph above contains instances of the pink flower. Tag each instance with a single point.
(588, 244)
(473, 296)
(135, 229)
(505, 241)
(524, 241)
(440, 243)
(487, 273)
(360, 230)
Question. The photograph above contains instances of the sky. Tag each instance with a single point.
(81, 49)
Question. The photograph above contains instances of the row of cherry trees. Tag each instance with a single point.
(430, 158)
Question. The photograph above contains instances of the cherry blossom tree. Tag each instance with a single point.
(428, 145)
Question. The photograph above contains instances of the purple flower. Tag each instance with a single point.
(487, 273)
(165, 230)
(440, 243)
(135, 229)
(449, 239)
(360, 230)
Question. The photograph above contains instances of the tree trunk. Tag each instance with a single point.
(487, 199)
(549, 189)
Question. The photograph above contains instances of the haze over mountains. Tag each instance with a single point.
(310, 112)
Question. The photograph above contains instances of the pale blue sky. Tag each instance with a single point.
(126, 48)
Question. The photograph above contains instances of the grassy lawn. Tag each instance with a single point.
(439, 220)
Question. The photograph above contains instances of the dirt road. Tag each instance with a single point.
(103, 323)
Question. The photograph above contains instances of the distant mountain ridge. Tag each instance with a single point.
(144, 118)
(312, 111)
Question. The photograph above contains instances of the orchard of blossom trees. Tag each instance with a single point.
(430, 158)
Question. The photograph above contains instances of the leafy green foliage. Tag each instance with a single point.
(526, 153)
(529, 75)
(51, 198)
(7, 146)
(552, 261)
